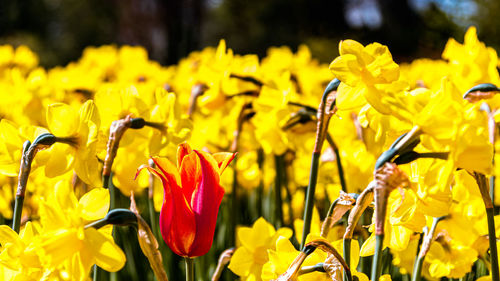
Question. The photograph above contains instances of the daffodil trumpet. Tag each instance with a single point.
(426, 245)
(325, 110)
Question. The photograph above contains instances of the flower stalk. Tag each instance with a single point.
(245, 114)
(362, 202)
(325, 111)
(340, 168)
(482, 182)
(189, 262)
(42, 142)
(387, 178)
(278, 202)
(426, 246)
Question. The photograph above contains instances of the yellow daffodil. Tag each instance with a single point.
(362, 69)
(12, 139)
(81, 129)
(281, 258)
(472, 62)
(255, 241)
(17, 253)
(65, 240)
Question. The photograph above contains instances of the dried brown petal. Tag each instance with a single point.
(387, 178)
(333, 268)
(224, 259)
(344, 203)
(364, 200)
(148, 243)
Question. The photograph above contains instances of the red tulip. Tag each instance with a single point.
(191, 200)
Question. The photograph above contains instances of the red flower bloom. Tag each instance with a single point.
(191, 200)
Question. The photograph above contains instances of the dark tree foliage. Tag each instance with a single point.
(58, 30)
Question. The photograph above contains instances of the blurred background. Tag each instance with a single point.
(58, 30)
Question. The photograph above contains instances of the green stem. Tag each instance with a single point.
(319, 267)
(96, 273)
(325, 111)
(493, 244)
(189, 269)
(339, 163)
(24, 171)
(129, 253)
(492, 189)
(260, 188)
(426, 243)
(311, 188)
(377, 258)
(347, 253)
(490, 214)
(152, 216)
(18, 210)
(417, 268)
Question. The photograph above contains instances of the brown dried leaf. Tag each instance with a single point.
(149, 244)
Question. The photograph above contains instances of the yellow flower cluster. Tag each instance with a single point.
(266, 110)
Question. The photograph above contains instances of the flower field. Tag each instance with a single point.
(231, 167)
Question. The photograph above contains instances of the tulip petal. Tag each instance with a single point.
(182, 150)
(190, 171)
(223, 159)
(177, 220)
(206, 202)
(168, 169)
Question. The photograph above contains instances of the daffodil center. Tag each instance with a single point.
(260, 255)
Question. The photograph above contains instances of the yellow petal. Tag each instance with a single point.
(368, 248)
(94, 204)
(241, 262)
(107, 254)
(62, 119)
(7, 235)
(60, 160)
